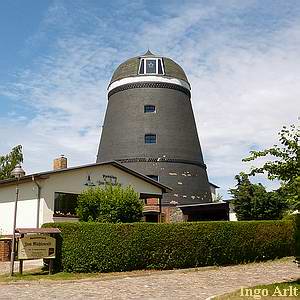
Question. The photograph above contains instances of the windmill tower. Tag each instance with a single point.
(149, 126)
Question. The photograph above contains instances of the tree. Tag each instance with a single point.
(253, 202)
(8, 162)
(110, 204)
(284, 166)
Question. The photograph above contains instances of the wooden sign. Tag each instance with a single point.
(36, 246)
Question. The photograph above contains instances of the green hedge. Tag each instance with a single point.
(102, 247)
(297, 236)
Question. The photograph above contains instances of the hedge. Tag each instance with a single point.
(103, 247)
(297, 237)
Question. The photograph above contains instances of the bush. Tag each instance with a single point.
(104, 247)
(111, 204)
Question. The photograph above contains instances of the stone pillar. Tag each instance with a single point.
(5, 249)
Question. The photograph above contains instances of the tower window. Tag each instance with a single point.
(150, 138)
(152, 66)
(149, 108)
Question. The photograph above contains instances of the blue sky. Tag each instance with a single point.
(57, 57)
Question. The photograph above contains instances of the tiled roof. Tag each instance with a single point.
(129, 68)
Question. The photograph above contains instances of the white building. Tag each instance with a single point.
(51, 196)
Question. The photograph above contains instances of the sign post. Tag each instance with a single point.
(36, 246)
(36, 243)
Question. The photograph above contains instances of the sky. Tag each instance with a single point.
(57, 57)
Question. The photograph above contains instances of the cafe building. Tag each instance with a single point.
(52, 196)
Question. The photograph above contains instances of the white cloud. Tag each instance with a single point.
(244, 85)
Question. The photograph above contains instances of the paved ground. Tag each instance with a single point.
(179, 284)
(27, 265)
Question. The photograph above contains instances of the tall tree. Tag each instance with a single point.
(284, 164)
(9, 161)
(253, 202)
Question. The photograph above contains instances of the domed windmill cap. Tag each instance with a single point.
(130, 68)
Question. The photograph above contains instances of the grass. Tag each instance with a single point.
(41, 275)
(36, 275)
(284, 290)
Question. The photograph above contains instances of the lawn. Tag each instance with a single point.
(44, 275)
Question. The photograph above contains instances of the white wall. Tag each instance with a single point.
(71, 181)
(232, 217)
(27, 207)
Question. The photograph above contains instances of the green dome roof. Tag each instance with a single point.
(130, 67)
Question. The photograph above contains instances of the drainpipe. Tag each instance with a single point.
(38, 202)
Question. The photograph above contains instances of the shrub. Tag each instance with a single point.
(104, 247)
(111, 204)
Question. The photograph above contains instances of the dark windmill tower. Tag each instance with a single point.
(149, 126)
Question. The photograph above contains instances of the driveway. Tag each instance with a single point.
(198, 283)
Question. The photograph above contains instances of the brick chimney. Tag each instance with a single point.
(60, 163)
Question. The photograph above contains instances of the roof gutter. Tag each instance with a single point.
(38, 201)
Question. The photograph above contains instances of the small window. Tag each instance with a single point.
(151, 66)
(65, 204)
(154, 177)
(150, 138)
(149, 108)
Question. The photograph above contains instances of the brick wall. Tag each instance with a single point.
(5, 248)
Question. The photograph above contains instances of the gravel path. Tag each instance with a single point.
(179, 284)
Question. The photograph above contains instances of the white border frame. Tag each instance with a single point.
(148, 78)
(145, 63)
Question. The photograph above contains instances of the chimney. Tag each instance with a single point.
(60, 163)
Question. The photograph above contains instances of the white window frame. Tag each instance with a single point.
(156, 69)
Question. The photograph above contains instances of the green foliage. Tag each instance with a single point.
(297, 237)
(9, 161)
(253, 202)
(111, 204)
(105, 247)
(284, 164)
(291, 192)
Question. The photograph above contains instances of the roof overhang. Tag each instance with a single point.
(201, 207)
(45, 175)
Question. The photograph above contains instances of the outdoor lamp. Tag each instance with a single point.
(89, 182)
(18, 173)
